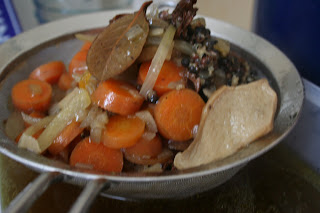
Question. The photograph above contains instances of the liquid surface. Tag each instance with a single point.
(276, 182)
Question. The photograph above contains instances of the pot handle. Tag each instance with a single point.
(24, 200)
(88, 195)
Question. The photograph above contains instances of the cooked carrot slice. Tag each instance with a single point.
(49, 72)
(65, 137)
(169, 73)
(177, 113)
(118, 97)
(65, 81)
(145, 148)
(31, 95)
(97, 155)
(78, 64)
(122, 131)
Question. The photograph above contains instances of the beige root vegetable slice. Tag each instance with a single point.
(232, 118)
(80, 101)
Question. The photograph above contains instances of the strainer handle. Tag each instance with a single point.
(88, 195)
(24, 200)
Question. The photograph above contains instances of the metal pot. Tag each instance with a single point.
(55, 41)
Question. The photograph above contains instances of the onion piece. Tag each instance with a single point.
(90, 117)
(156, 168)
(98, 125)
(158, 61)
(183, 47)
(85, 37)
(134, 32)
(30, 143)
(222, 46)
(156, 31)
(27, 141)
(80, 101)
(146, 116)
(38, 126)
(28, 119)
(148, 136)
(14, 125)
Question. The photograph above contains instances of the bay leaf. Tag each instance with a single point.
(112, 52)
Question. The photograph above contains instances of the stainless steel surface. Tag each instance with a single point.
(54, 41)
(31, 193)
(88, 195)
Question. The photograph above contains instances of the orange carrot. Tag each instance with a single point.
(86, 45)
(118, 97)
(122, 131)
(78, 64)
(100, 157)
(169, 73)
(34, 114)
(65, 81)
(65, 137)
(49, 72)
(31, 95)
(177, 112)
(145, 148)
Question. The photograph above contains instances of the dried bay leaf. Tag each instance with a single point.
(112, 52)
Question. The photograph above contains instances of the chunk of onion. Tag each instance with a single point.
(30, 120)
(157, 61)
(134, 32)
(146, 116)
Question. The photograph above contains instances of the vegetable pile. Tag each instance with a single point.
(131, 97)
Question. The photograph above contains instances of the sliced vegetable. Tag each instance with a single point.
(70, 132)
(118, 97)
(145, 149)
(146, 116)
(31, 95)
(96, 156)
(158, 61)
(97, 126)
(32, 118)
(78, 64)
(49, 72)
(169, 73)
(30, 143)
(123, 131)
(80, 101)
(165, 156)
(111, 52)
(14, 125)
(65, 81)
(28, 139)
(177, 112)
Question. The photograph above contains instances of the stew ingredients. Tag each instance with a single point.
(232, 118)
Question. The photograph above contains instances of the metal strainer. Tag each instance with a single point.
(55, 41)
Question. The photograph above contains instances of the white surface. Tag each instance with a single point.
(239, 13)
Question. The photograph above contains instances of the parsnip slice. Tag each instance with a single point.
(232, 118)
